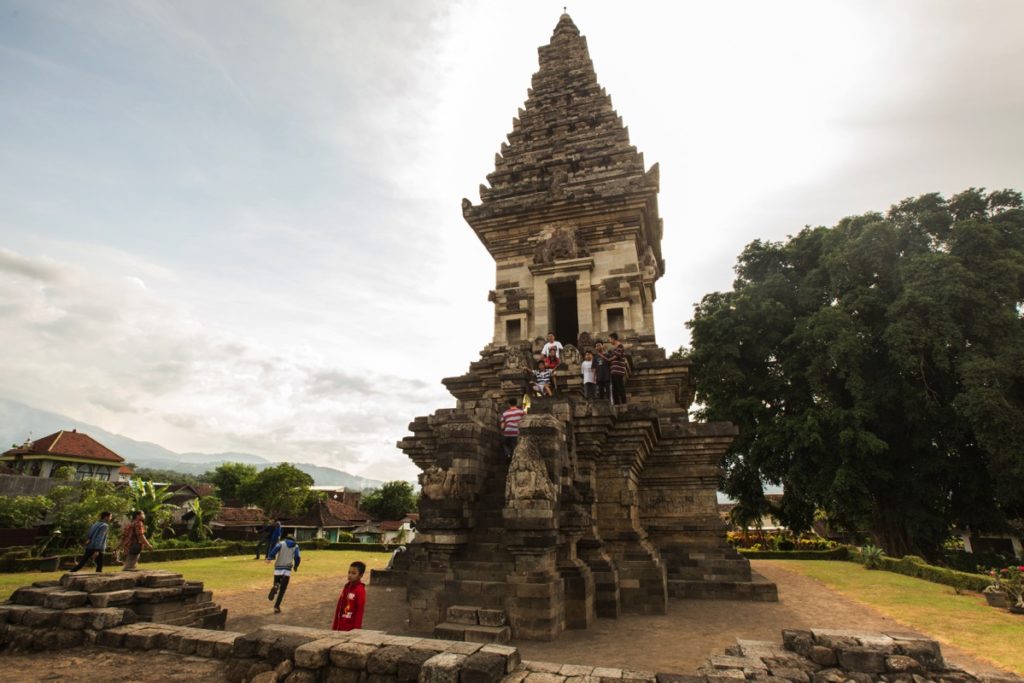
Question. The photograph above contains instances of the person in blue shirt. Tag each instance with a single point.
(273, 536)
(286, 560)
(96, 542)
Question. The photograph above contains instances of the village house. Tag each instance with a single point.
(43, 457)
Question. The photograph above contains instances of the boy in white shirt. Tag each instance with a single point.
(552, 344)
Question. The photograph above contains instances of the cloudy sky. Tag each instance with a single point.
(236, 225)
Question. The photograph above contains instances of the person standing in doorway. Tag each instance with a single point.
(96, 542)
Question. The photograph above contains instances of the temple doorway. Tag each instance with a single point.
(563, 313)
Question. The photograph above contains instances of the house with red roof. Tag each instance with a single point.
(43, 457)
(325, 519)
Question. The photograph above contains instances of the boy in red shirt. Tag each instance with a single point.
(348, 615)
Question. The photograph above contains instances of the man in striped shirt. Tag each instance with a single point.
(510, 420)
(618, 367)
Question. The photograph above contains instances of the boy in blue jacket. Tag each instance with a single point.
(286, 560)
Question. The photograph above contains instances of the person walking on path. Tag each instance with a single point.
(510, 420)
(273, 536)
(96, 542)
(348, 615)
(133, 540)
(286, 557)
(618, 370)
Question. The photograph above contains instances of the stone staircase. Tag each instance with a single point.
(478, 591)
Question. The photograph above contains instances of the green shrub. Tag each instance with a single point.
(911, 565)
(870, 556)
(840, 553)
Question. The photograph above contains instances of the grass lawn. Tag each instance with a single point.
(965, 621)
(224, 575)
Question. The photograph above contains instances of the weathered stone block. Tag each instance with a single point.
(90, 617)
(315, 654)
(821, 655)
(795, 675)
(283, 669)
(143, 640)
(236, 670)
(410, 663)
(902, 664)
(607, 674)
(543, 677)
(463, 648)
(462, 614)
(491, 617)
(442, 668)
(864, 659)
(513, 660)
(334, 675)
(284, 647)
(246, 646)
(259, 667)
(40, 617)
(104, 583)
(384, 660)
(265, 677)
(483, 667)
(13, 614)
(301, 676)
(120, 597)
(26, 595)
(351, 655)
(63, 599)
(927, 652)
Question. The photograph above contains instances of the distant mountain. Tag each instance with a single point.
(19, 422)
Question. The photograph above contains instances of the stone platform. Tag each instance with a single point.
(76, 608)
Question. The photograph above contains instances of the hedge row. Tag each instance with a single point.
(16, 560)
(911, 565)
(840, 553)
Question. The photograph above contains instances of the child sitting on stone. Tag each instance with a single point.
(541, 380)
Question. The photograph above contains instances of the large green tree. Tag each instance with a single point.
(282, 490)
(876, 369)
(231, 478)
(391, 501)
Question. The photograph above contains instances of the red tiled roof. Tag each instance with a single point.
(391, 525)
(126, 470)
(240, 517)
(71, 444)
(331, 514)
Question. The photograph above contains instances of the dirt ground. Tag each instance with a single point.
(678, 642)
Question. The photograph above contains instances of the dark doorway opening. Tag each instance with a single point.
(564, 319)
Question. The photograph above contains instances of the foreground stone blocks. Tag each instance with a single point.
(94, 603)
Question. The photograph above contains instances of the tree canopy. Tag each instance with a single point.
(281, 490)
(876, 369)
(390, 501)
(230, 478)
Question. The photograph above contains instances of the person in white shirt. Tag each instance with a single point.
(589, 376)
(552, 344)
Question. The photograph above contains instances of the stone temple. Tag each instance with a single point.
(603, 509)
